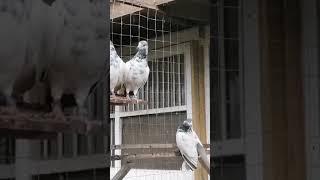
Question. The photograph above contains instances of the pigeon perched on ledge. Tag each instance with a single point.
(79, 59)
(187, 141)
(137, 70)
(117, 69)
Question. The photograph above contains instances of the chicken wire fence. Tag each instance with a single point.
(165, 92)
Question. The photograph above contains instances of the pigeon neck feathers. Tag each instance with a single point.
(141, 55)
(182, 128)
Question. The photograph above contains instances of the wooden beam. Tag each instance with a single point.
(282, 90)
(294, 77)
(38, 125)
(140, 4)
(120, 100)
(161, 2)
(133, 157)
(198, 99)
(123, 171)
(203, 159)
(149, 146)
(120, 9)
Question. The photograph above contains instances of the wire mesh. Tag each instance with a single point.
(155, 122)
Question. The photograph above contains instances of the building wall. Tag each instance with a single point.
(147, 174)
(310, 36)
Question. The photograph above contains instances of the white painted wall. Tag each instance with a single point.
(144, 174)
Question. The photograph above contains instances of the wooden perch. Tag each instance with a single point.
(149, 146)
(123, 171)
(38, 125)
(122, 101)
(170, 147)
(203, 159)
(133, 157)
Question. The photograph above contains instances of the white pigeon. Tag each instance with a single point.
(79, 57)
(187, 141)
(117, 69)
(13, 38)
(137, 70)
(45, 23)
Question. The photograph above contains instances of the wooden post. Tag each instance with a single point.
(282, 99)
(294, 91)
(203, 159)
(198, 99)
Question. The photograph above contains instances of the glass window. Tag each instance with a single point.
(225, 71)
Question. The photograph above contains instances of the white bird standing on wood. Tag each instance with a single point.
(79, 59)
(187, 141)
(137, 70)
(13, 38)
(117, 69)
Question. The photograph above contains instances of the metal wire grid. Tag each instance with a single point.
(165, 88)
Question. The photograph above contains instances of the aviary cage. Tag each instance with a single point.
(143, 131)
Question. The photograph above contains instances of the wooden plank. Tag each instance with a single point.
(123, 171)
(149, 146)
(146, 156)
(120, 100)
(160, 2)
(203, 159)
(39, 125)
(294, 76)
(120, 9)
(282, 91)
(140, 3)
(174, 153)
(198, 99)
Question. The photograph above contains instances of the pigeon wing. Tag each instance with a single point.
(187, 147)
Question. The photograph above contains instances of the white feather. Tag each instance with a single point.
(117, 69)
(79, 60)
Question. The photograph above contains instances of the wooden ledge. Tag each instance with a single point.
(39, 125)
(122, 101)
